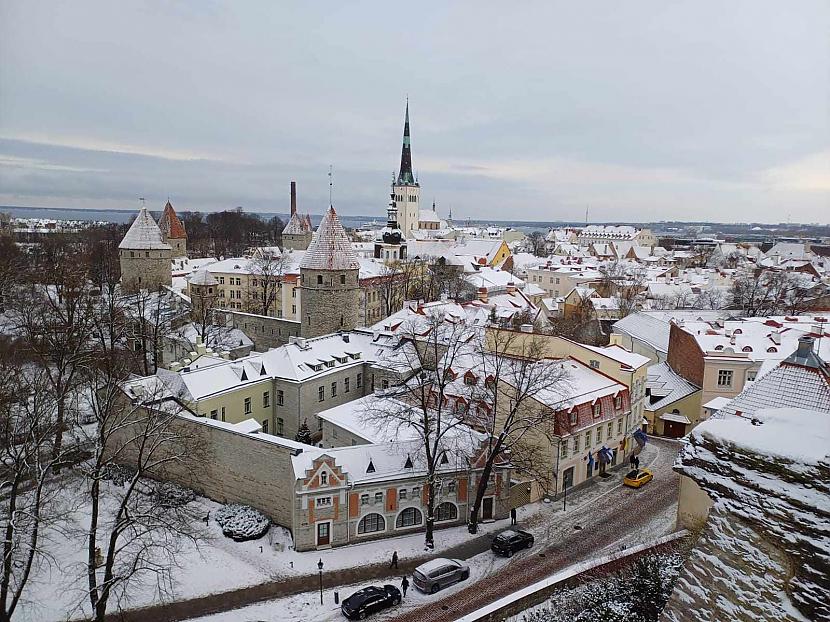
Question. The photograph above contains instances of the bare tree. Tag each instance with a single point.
(507, 406)
(151, 315)
(267, 272)
(391, 289)
(30, 505)
(624, 282)
(772, 292)
(537, 244)
(133, 536)
(434, 344)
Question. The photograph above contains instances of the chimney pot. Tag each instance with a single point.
(805, 346)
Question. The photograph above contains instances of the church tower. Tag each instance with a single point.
(144, 256)
(330, 291)
(405, 189)
(173, 231)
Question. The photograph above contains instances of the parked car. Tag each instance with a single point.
(370, 600)
(510, 541)
(438, 573)
(637, 478)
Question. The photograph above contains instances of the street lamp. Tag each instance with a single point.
(320, 568)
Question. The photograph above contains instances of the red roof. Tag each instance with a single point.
(170, 224)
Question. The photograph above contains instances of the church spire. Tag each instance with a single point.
(405, 174)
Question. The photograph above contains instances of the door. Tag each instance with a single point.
(487, 508)
(673, 429)
(568, 478)
(323, 537)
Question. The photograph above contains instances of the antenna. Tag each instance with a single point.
(331, 186)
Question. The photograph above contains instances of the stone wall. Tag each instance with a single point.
(296, 241)
(265, 331)
(148, 270)
(331, 301)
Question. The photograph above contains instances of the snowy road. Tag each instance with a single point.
(607, 515)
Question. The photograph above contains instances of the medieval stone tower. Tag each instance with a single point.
(329, 275)
(297, 233)
(173, 231)
(144, 256)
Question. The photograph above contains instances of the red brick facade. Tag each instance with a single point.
(685, 357)
(585, 413)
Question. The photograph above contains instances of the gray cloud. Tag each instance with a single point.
(684, 110)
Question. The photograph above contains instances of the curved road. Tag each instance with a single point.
(581, 533)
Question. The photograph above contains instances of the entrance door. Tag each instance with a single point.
(568, 478)
(487, 509)
(323, 538)
(673, 429)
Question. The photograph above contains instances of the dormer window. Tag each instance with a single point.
(718, 347)
(747, 349)
(324, 478)
(444, 459)
(597, 409)
(572, 418)
(408, 463)
(772, 349)
(371, 467)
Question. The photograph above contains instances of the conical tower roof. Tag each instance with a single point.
(144, 234)
(405, 176)
(330, 248)
(170, 224)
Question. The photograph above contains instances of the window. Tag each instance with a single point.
(408, 518)
(751, 376)
(610, 431)
(724, 377)
(597, 409)
(619, 425)
(563, 449)
(359, 380)
(451, 487)
(213, 414)
(364, 499)
(324, 478)
(293, 309)
(371, 523)
(345, 385)
(280, 426)
(342, 279)
(319, 279)
(334, 389)
(572, 418)
(266, 399)
(599, 434)
(576, 444)
(265, 426)
(323, 502)
(321, 394)
(618, 402)
(247, 405)
(416, 492)
(594, 364)
(221, 280)
(280, 397)
(446, 511)
(378, 497)
(588, 439)
(384, 384)
(402, 494)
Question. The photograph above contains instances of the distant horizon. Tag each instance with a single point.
(456, 221)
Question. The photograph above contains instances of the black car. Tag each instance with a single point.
(510, 541)
(369, 600)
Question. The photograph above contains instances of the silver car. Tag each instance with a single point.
(438, 573)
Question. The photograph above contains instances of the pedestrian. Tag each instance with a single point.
(404, 585)
(636, 462)
(512, 516)
(631, 459)
(394, 563)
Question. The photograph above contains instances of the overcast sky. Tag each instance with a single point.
(643, 110)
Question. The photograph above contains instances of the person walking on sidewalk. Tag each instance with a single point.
(394, 563)
(512, 516)
(636, 462)
(404, 585)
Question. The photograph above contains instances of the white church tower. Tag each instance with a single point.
(405, 190)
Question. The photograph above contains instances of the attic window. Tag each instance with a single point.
(444, 459)
(408, 463)
(572, 418)
(371, 467)
(329, 363)
(262, 370)
(244, 375)
(324, 478)
(772, 349)
(718, 347)
(737, 331)
(597, 409)
(746, 349)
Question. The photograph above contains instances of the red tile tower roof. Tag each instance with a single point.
(170, 225)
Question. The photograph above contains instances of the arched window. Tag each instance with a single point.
(409, 518)
(446, 511)
(747, 349)
(772, 349)
(371, 523)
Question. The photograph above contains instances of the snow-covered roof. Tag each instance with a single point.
(620, 354)
(581, 384)
(330, 248)
(297, 225)
(666, 387)
(144, 234)
(202, 277)
(352, 416)
(716, 403)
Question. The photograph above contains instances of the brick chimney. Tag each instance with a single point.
(293, 197)
(511, 288)
(482, 294)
